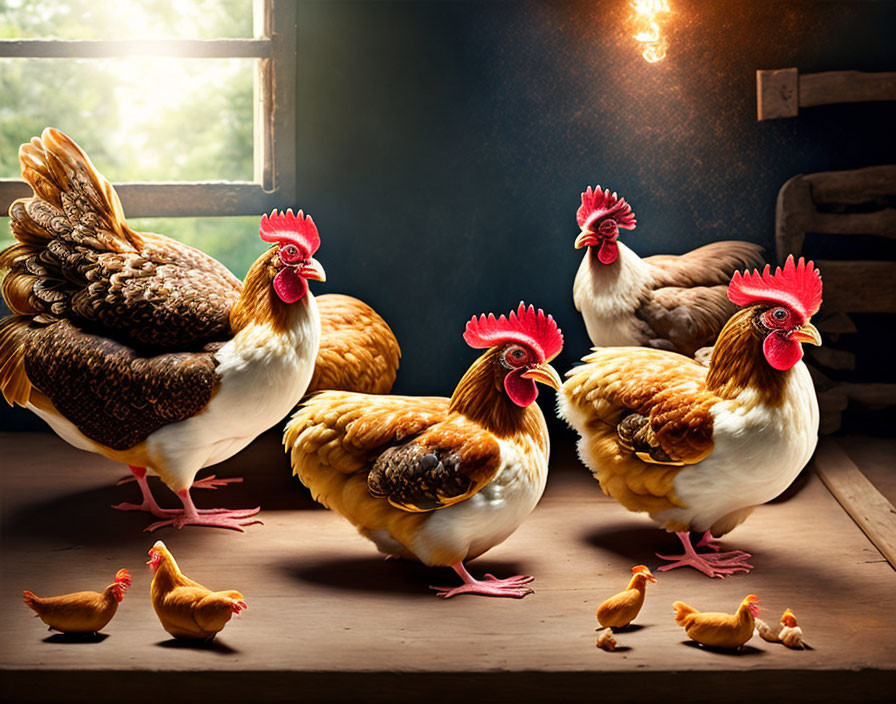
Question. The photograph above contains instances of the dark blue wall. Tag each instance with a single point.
(443, 145)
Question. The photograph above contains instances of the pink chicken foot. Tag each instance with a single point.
(513, 587)
(189, 514)
(718, 564)
(210, 482)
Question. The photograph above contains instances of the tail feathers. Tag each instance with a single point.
(14, 383)
(32, 601)
(682, 611)
(123, 577)
(67, 187)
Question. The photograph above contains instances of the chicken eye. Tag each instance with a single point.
(515, 356)
(289, 253)
(779, 314)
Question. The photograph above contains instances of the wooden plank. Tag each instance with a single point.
(862, 501)
(881, 223)
(201, 199)
(854, 186)
(845, 87)
(776, 94)
(877, 294)
(257, 48)
(283, 26)
(329, 618)
(794, 211)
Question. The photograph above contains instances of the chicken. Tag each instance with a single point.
(717, 629)
(140, 348)
(185, 608)
(667, 302)
(81, 612)
(698, 448)
(787, 631)
(435, 479)
(621, 609)
(358, 350)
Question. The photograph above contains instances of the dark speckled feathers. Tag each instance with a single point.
(447, 464)
(78, 259)
(114, 396)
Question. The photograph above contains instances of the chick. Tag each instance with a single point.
(719, 629)
(622, 608)
(81, 612)
(185, 608)
(787, 631)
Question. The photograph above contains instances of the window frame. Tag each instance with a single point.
(274, 179)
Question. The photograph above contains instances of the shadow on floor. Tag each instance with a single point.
(213, 646)
(742, 651)
(376, 575)
(76, 638)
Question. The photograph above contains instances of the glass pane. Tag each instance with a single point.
(232, 241)
(125, 19)
(140, 119)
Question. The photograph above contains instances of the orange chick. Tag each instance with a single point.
(719, 629)
(81, 612)
(622, 608)
(185, 608)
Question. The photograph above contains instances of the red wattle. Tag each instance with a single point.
(608, 252)
(289, 285)
(521, 391)
(781, 352)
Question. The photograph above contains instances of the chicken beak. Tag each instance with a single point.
(545, 374)
(808, 334)
(313, 270)
(585, 239)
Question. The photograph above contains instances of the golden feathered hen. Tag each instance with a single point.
(698, 448)
(81, 612)
(185, 608)
(621, 609)
(435, 479)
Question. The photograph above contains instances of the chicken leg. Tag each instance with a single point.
(514, 587)
(719, 564)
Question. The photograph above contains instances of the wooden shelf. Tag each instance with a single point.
(330, 620)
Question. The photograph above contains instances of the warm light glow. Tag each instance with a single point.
(647, 18)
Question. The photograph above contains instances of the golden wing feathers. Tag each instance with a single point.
(358, 350)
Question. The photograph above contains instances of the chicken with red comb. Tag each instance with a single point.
(440, 480)
(666, 302)
(699, 448)
(137, 347)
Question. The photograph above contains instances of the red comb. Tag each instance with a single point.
(298, 229)
(797, 286)
(598, 204)
(123, 577)
(524, 325)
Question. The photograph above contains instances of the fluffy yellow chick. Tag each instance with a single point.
(718, 629)
(622, 608)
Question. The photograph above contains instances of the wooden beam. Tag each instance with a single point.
(845, 87)
(783, 92)
(794, 211)
(881, 223)
(201, 199)
(859, 497)
(877, 294)
(258, 48)
(777, 93)
(852, 187)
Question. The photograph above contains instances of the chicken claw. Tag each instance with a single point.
(720, 564)
(513, 587)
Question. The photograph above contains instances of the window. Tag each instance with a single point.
(183, 123)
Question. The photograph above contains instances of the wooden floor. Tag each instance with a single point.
(330, 620)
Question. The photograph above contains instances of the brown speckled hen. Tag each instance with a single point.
(140, 348)
(676, 303)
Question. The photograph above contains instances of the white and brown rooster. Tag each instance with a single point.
(667, 302)
(440, 480)
(698, 448)
(140, 348)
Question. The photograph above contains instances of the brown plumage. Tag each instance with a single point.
(718, 629)
(81, 612)
(676, 303)
(358, 350)
(185, 608)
